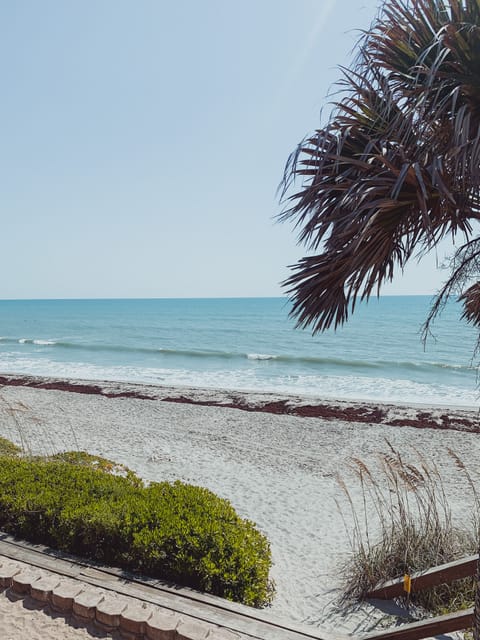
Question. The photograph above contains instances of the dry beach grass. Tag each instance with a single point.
(405, 504)
(278, 469)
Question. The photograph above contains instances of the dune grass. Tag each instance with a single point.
(405, 526)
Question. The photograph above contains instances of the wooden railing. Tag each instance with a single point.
(442, 574)
(426, 628)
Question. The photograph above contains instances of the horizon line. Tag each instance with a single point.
(273, 297)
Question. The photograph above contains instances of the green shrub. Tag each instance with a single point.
(176, 531)
(85, 459)
(8, 448)
(193, 541)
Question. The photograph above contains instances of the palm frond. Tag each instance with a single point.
(471, 304)
(397, 167)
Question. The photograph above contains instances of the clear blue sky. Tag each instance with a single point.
(143, 142)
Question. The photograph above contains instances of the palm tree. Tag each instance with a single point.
(396, 168)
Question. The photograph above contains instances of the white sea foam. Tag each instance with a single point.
(260, 356)
(373, 389)
(38, 341)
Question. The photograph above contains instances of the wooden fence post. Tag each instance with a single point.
(476, 610)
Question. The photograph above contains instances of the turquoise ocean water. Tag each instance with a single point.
(244, 344)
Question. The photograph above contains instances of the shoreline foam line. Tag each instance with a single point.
(360, 412)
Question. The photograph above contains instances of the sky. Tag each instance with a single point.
(143, 142)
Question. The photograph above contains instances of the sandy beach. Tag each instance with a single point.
(277, 459)
(25, 619)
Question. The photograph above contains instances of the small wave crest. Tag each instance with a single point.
(426, 365)
(195, 353)
(294, 363)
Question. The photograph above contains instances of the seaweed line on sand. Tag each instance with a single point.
(359, 412)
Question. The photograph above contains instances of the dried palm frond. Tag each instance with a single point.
(397, 167)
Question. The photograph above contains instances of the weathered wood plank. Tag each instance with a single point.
(255, 623)
(426, 579)
(426, 628)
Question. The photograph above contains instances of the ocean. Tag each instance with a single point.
(247, 344)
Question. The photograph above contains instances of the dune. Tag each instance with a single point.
(277, 463)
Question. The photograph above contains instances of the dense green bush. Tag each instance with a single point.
(8, 448)
(85, 459)
(176, 531)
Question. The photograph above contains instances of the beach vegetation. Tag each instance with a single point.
(8, 448)
(100, 463)
(173, 531)
(406, 526)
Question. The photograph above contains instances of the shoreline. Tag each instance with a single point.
(465, 419)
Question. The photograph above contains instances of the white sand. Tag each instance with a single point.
(277, 470)
(25, 619)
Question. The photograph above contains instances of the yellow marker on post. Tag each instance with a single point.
(407, 583)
